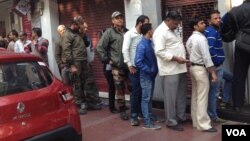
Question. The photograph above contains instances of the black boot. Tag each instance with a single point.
(123, 113)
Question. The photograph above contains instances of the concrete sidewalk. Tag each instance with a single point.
(105, 126)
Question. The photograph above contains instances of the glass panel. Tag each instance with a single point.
(22, 77)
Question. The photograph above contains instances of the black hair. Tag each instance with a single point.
(22, 33)
(141, 19)
(2, 43)
(213, 12)
(14, 32)
(174, 15)
(38, 31)
(145, 28)
(194, 21)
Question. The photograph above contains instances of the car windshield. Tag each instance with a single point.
(23, 76)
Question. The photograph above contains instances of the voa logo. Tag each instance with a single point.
(236, 132)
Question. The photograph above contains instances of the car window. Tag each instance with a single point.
(23, 76)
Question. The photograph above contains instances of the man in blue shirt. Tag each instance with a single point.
(145, 61)
(217, 54)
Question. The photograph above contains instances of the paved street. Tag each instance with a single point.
(104, 126)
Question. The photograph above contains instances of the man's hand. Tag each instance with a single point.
(214, 77)
(132, 70)
(73, 69)
(180, 60)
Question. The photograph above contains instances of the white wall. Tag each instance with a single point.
(49, 23)
(135, 8)
(5, 9)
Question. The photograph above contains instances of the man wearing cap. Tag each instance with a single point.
(109, 49)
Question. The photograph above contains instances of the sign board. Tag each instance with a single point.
(23, 7)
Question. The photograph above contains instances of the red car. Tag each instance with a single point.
(34, 105)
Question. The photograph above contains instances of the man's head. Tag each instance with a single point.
(61, 29)
(173, 19)
(142, 20)
(77, 23)
(146, 29)
(117, 19)
(13, 35)
(74, 26)
(36, 32)
(214, 18)
(22, 35)
(197, 23)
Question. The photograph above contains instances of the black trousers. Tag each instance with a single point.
(109, 77)
(241, 65)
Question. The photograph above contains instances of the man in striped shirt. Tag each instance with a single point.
(217, 54)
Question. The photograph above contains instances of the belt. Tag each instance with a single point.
(195, 64)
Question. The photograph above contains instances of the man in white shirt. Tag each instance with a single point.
(131, 39)
(201, 64)
(22, 45)
(171, 59)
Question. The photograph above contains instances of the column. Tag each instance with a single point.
(49, 22)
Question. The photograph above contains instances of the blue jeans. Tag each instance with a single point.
(227, 90)
(214, 89)
(146, 102)
(135, 98)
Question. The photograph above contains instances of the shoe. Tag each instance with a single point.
(140, 117)
(157, 119)
(175, 127)
(180, 121)
(113, 110)
(210, 130)
(152, 126)
(123, 115)
(134, 122)
(94, 106)
(237, 109)
(82, 111)
(218, 120)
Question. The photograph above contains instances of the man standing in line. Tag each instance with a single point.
(146, 62)
(171, 58)
(64, 71)
(217, 54)
(201, 64)
(111, 44)
(131, 39)
(39, 45)
(91, 89)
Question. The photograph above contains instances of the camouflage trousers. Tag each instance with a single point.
(84, 85)
(120, 77)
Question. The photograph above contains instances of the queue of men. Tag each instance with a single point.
(132, 59)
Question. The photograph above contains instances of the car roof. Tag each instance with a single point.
(8, 56)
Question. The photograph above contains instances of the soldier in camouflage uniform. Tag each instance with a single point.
(111, 43)
(75, 57)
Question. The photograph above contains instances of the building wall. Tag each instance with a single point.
(98, 16)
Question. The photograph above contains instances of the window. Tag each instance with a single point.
(23, 76)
